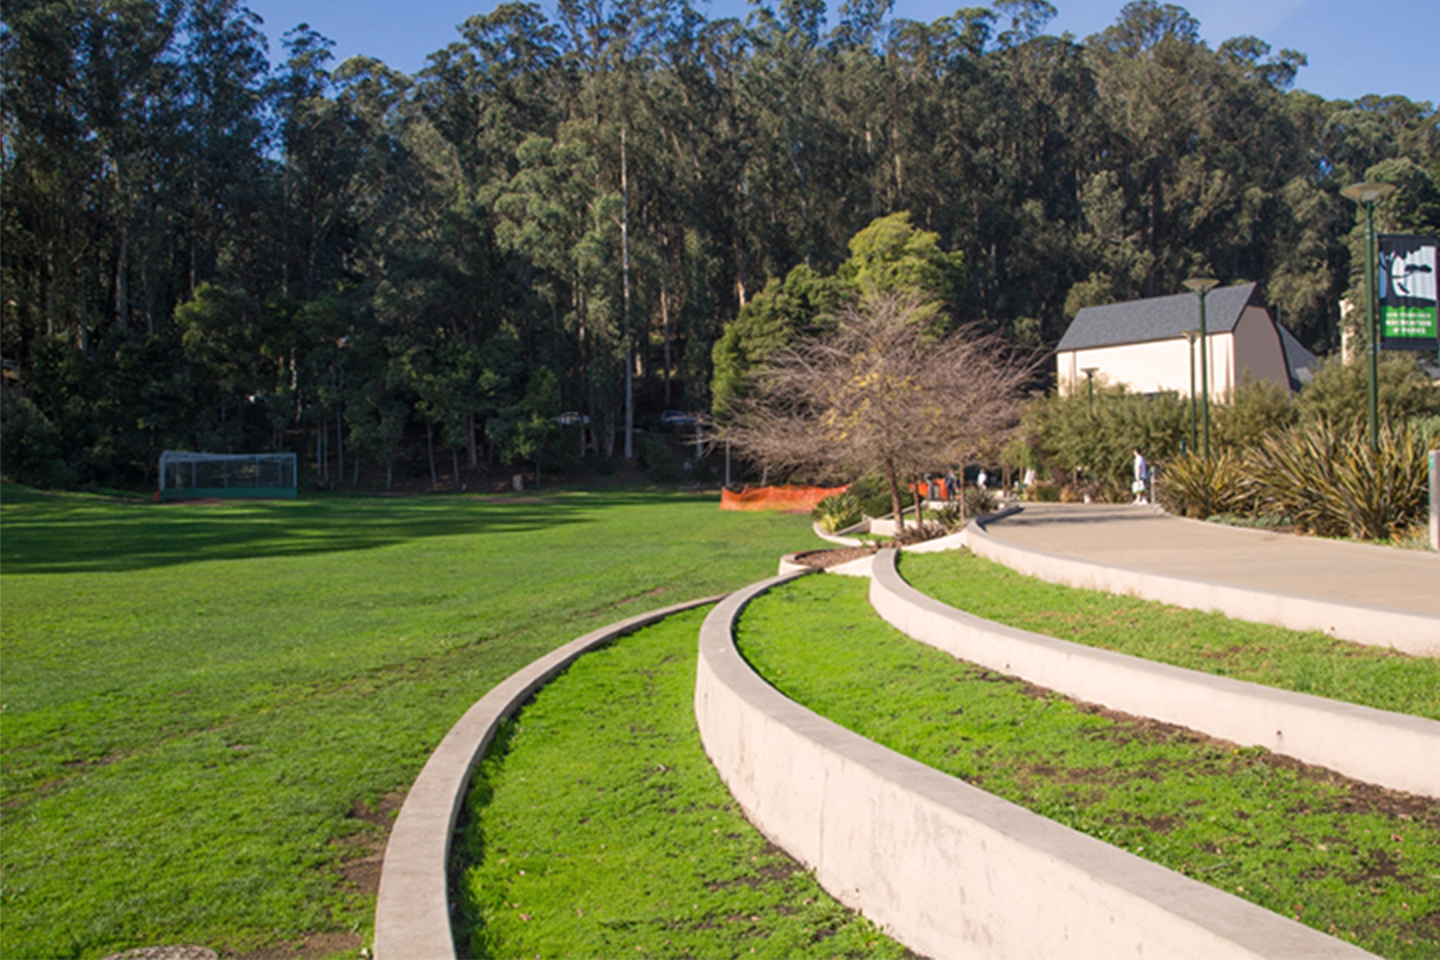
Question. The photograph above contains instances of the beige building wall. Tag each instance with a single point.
(1155, 366)
(1258, 351)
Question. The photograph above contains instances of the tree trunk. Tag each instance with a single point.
(625, 269)
(430, 448)
(665, 328)
(895, 509)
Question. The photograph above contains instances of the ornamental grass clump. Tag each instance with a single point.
(1197, 486)
(838, 511)
(1329, 480)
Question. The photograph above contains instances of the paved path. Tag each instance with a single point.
(1140, 538)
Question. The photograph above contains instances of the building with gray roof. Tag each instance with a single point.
(1143, 344)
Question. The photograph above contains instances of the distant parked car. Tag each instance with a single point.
(569, 418)
(678, 418)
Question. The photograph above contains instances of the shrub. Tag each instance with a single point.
(838, 511)
(978, 501)
(1338, 392)
(1329, 480)
(952, 517)
(1070, 434)
(1196, 487)
(873, 495)
(1255, 408)
(919, 533)
(658, 457)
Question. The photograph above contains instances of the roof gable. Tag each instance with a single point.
(1157, 318)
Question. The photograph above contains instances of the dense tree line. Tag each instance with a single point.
(562, 215)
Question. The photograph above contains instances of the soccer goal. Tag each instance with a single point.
(191, 476)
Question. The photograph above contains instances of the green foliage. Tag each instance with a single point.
(891, 256)
(873, 493)
(978, 501)
(774, 317)
(198, 699)
(838, 511)
(1098, 440)
(658, 457)
(30, 445)
(1339, 391)
(1254, 409)
(597, 827)
(1194, 486)
(1232, 818)
(527, 431)
(1326, 478)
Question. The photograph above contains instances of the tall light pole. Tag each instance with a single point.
(1202, 286)
(1367, 195)
(1090, 385)
(1190, 336)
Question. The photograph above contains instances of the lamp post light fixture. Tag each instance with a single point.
(1090, 385)
(1191, 336)
(1202, 286)
(1367, 195)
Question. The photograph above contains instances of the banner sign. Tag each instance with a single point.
(1407, 293)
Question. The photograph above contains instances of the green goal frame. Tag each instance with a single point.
(207, 476)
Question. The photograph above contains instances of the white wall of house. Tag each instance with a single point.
(1157, 365)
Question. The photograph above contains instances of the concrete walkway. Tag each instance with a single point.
(1140, 538)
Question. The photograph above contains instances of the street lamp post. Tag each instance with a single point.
(1090, 385)
(1190, 337)
(1367, 195)
(1202, 286)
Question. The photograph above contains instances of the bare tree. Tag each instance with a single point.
(881, 392)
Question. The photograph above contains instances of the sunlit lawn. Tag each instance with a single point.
(1306, 661)
(202, 703)
(1345, 858)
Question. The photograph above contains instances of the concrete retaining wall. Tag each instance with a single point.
(1391, 749)
(412, 913)
(944, 867)
(1411, 633)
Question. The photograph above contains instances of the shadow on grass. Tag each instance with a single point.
(74, 533)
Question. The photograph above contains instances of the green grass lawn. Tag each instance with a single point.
(1303, 661)
(1344, 858)
(205, 706)
(598, 828)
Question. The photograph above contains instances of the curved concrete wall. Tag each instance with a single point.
(946, 868)
(1391, 749)
(412, 912)
(1411, 633)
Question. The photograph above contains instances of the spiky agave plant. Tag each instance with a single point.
(1200, 487)
(1330, 481)
(837, 511)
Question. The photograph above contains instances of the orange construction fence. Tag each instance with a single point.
(934, 489)
(787, 499)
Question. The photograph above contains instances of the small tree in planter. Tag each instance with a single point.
(881, 392)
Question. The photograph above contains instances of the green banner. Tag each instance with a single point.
(1407, 293)
(1408, 322)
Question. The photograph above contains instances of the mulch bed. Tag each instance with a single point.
(821, 559)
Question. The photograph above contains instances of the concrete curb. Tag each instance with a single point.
(1412, 633)
(1394, 750)
(838, 538)
(412, 911)
(944, 867)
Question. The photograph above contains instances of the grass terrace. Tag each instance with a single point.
(1343, 857)
(211, 712)
(598, 828)
(1302, 661)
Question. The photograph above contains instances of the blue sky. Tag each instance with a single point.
(1354, 48)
